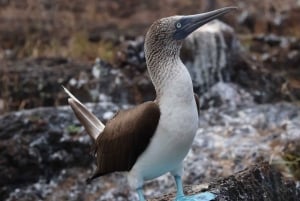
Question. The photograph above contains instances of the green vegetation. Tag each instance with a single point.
(73, 129)
(81, 47)
(292, 161)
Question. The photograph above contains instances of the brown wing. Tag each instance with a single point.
(125, 137)
(197, 103)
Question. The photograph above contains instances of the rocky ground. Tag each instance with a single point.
(45, 154)
(249, 96)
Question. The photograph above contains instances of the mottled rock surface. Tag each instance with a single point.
(45, 155)
(257, 182)
(260, 182)
(209, 53)
(39, 144)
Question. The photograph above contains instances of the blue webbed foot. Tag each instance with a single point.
(206, 196)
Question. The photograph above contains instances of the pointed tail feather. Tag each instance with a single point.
(90, 122)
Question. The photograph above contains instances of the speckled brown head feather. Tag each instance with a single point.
(125, 138)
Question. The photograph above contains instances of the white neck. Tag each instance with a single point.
(171, 78)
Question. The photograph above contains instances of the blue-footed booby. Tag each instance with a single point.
(153, 138)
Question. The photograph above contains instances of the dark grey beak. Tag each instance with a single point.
(188, 24)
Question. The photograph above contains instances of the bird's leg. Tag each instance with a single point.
(179, 193)
(206, 196)
(140, 194)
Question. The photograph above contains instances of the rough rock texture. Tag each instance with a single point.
(259, 182)
(40, 144)
(45, 155)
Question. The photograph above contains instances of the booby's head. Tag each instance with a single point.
(165, 35)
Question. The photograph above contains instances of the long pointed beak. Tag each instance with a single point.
(188, 24)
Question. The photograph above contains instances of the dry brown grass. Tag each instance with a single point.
(61, 28)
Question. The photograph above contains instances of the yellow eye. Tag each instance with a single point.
(178, 25)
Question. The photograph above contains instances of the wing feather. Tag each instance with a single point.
(90, 122)
(125, 138)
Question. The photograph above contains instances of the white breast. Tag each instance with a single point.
(175, 132)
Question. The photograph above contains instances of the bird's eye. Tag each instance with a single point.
(178, 25)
